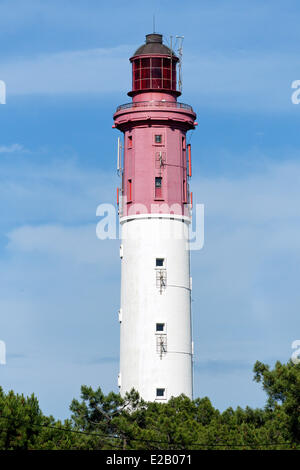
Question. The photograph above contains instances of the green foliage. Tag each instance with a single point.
(102, 421)
(282, 385)
(19, 421)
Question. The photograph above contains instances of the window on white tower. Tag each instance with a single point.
(160, 392)
(160, 262)
(160, 327)
(161, 274)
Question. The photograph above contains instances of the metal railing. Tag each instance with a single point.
(150, 104)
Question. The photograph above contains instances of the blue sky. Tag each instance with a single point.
(66, 68)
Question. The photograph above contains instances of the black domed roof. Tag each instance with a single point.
(154, 45)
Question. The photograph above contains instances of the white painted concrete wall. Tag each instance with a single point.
(142, 306)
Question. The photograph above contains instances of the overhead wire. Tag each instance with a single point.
(151, 441)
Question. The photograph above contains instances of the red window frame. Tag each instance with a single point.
(129, 190)
(158, 187)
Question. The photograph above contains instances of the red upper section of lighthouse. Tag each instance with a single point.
(154, 67)
(155, 174)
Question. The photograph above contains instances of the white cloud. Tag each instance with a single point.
(74, 244)
(11, 148)
(83, 71)
(58, 191)
(244, 80)
(249, 80)
(268, 195)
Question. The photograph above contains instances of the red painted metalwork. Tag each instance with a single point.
(190, 159)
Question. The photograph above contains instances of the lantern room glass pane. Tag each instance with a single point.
(145, 84)
(156, 62)
(154, 73)
(145, 62)
(167, 73)
(157, 83)
(145, 73)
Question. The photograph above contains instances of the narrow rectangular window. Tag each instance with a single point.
(129, 190)
(158, 138)
(160, 262)
(160, 392)
(184, 191)
(130, 141)
(158, 187)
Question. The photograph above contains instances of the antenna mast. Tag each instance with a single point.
(171, 46)
(180, 54)
(119, 161)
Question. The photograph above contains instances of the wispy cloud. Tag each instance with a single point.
(82, 71)
(244, 80)
(11, 148)
(52, 191)
(259, 81)
(76, 244)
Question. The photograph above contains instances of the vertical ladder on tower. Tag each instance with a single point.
(161, 279)
(161, 345)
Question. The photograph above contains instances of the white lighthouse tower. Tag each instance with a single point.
(154, 207)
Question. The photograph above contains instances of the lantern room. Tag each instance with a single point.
(154, 67)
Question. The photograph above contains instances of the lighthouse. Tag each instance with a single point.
(154, 163)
